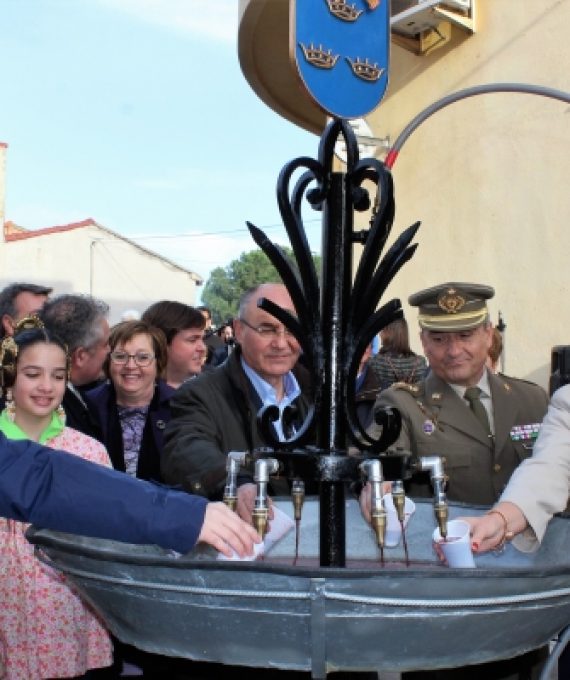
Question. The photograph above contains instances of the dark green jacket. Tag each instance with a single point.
(212, 415)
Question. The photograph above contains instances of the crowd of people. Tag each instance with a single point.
(163, 398)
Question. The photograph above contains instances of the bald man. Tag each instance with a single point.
(216, 412)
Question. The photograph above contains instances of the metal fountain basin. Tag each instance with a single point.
(365, 617)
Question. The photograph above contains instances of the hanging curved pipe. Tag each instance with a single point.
(520, 88)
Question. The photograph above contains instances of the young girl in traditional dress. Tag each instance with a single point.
(46, 631)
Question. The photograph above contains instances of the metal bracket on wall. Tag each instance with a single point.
(427, 25)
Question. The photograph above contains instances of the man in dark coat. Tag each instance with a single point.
(81, 322)
(216, 412)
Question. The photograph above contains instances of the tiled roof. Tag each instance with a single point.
(13, 232)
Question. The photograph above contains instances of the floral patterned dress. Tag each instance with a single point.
(46, 630)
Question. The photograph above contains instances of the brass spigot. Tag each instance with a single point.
(298, 496)
(372, 469)
(233, 463)
(263, 468)
(441, 514)
(399, 499)
(438, 479)
(230, 501)
(378, 521)
(259, 517)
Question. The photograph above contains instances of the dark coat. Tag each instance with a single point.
(391, 368)
(102, 403)
(366, 397)
(212, 415)
(78, 416)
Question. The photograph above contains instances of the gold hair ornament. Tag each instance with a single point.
(9, 347)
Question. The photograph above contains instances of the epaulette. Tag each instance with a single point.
(505, 379)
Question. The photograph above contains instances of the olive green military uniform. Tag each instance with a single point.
(437, 422)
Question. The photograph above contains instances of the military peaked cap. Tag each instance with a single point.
(452, 306)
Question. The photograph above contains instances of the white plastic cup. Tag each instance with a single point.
(456, 548)
(393, 527)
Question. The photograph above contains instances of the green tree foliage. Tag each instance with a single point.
(226, 285)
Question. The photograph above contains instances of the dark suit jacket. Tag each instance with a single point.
(78, 416)
(213, 414)
(102, 402)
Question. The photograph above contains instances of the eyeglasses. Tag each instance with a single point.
(141, 359)
(267, 330)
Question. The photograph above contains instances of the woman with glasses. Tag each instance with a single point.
(133, 407)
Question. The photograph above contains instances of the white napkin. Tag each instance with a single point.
(279, 526)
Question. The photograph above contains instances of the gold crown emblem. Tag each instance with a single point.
(319, 57)
(343, 11)
(451, 302)
(364, 70)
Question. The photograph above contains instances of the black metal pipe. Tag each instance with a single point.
(335, 294)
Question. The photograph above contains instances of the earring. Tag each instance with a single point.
(10, 406)
(60, 411)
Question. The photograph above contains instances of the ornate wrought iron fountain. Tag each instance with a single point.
(388, 618)
(336, 320)
(276, 614)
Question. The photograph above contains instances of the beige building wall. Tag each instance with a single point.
(92, 260)
(488, 176)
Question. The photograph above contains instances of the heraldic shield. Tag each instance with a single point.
(341, 50)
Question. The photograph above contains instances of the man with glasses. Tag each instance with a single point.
(216, 412)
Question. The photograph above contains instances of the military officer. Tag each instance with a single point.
(482, 433)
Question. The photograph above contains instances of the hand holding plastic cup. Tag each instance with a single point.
(393, 526)
(456, 548)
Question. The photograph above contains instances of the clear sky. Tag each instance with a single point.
(136, 113)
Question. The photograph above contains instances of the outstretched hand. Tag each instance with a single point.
(224, 531)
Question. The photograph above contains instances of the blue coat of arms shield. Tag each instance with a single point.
(341, 50)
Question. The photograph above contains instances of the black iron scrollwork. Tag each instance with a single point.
(336, 317)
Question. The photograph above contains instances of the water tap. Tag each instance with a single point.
(372, 469)
(434, 464)
(234, 461)
(298, 496)
(399, 499)
(263, 468)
